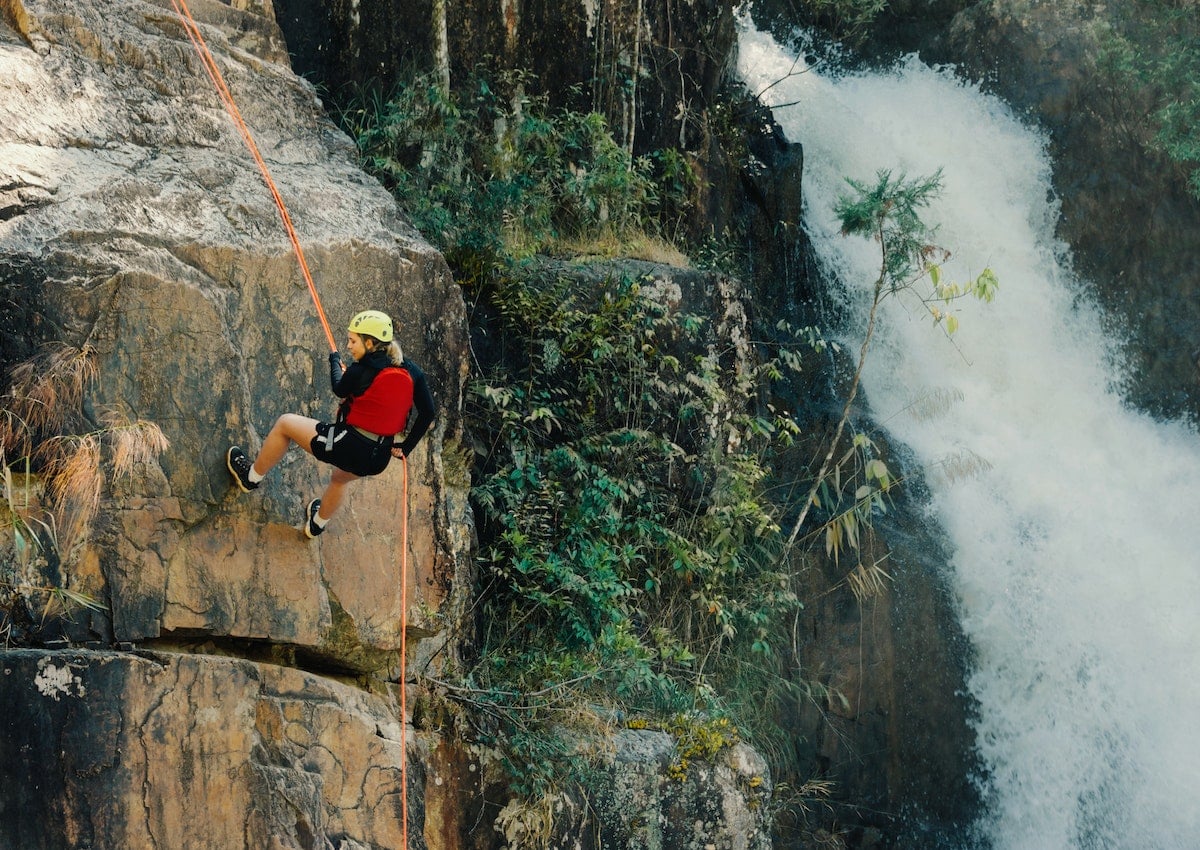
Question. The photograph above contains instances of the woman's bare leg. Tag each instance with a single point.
(331, 499)
(289, 428)
(293, 428)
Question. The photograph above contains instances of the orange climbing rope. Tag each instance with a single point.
(404, 649)
(214, 74)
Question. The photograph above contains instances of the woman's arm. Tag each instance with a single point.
(424, 406)
(342, 380)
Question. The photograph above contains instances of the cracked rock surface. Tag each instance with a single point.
(133, 220)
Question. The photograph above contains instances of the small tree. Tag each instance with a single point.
(887, 211)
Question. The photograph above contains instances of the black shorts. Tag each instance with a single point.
(343, 446)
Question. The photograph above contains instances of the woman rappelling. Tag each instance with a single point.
(378, 392)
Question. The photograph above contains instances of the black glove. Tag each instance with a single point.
(336, 369)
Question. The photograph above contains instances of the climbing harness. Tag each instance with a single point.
(214, 74)
(218, 81)
(329, 439)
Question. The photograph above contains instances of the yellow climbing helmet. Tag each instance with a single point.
(372, 323)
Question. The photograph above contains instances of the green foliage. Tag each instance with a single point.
(495, 171)
(625, 532)
(1155, 46)
(675, 185)
(848, 20)
(889, 211)
(621, 497)
(632, 556)
(852, 494)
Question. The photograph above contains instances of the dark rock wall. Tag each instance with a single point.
(885, 720)
(654, 61)
(1125, 209)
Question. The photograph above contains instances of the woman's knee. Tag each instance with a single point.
(293, 425)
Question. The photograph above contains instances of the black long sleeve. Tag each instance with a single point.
(336, 371)
(422, 404)
(355, 380)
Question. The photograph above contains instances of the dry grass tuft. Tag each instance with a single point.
(133, 443)
(962, 466)
(528, 824)
(934, 404)
(45, 393)
(868, 582)
(610, 246)
(44, 401)
(72, 468)
(75, 484)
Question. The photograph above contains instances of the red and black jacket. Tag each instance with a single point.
(376, 395)
(354, 383)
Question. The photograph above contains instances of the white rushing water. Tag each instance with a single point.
(1074, 522)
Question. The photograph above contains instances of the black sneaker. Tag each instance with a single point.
(311, 529)
(239, 467)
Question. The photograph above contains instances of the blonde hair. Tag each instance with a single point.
(394, 352)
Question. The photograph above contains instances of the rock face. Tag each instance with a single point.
(142, 228)
(108, 750)
(888, 723)
(235, 692)
(721, 804)
(115, 750)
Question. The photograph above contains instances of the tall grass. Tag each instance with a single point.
(52, 463)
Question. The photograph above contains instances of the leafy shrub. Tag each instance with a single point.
(501, 173)
(627, 541)
(1155, 45)
(620, 491)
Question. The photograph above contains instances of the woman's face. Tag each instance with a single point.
(356, 346)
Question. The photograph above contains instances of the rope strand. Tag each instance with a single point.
(214, 73)
(404, 650)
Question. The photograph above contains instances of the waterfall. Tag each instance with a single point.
(1074, 521)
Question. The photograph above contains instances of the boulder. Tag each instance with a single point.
(646, 791)
(137, 224)
(649, 795)
(107, 750)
